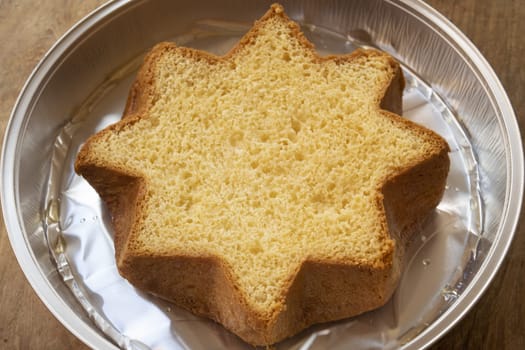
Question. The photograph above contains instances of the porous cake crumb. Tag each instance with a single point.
(267, 189)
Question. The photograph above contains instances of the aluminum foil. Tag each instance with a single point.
(79, 235)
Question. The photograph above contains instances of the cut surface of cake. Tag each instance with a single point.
(267, 189)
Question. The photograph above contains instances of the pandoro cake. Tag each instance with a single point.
(268, 189)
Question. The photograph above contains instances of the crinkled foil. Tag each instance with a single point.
(79, 234)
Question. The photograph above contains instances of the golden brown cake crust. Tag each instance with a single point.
(318, 291)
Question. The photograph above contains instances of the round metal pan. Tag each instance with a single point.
(89, 69)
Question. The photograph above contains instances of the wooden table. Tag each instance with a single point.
(29, 28)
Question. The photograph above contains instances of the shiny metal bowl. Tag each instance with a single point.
(81, 84)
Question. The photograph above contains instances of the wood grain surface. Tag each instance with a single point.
(29, 28)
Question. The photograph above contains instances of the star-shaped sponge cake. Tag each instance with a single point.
(270, 188)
